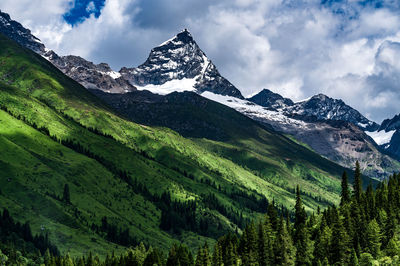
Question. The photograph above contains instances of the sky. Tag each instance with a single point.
(348, 49)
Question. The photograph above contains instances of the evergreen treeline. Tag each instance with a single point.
(17, 239)
(363, 230)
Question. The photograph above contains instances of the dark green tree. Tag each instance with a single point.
(340, 243)
(345, 194)
(284, 251)
(373, 238)
(66, 194)
(357, 182)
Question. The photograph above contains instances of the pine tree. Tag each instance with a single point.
(217, 255)
(300, 213)
(265, 252)
(345, 194)
(357, 183)
(393, 247)
(340, 243)
(231, 257)
(353, 258)
(284, 250)
(373, 238)
(248, 245)
(199, 257)
(301, 236)
(66, 194)
(322, 242)
(153, 258)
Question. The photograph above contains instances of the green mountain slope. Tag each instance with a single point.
(54, 132)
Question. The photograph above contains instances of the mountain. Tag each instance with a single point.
(180, 58)
(338, 140)
(317, 108)
(15, 31)
(270, 100)
(86, 73)
(135, 181)
(322, 107)
(90, 75)
(388, 136)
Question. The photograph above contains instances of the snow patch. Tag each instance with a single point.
(381, 137)
(114, 74)
(253, 110)
(175, 85)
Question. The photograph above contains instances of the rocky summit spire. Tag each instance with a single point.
(180, 58)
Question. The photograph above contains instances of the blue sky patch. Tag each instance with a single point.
(82, 9)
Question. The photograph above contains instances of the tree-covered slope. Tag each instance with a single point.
(124, 176)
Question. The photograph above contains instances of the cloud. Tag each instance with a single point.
(346, 49)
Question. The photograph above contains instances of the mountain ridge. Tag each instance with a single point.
(180, 65)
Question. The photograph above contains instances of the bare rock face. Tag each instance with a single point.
(90, 75)
(391, 127)
(271, 100)
(341, 142)
(86, 73)
(18, 33)
(180, 58)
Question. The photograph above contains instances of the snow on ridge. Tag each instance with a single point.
(381, 137)
(175, 85)
(251, 109)
(113, 74)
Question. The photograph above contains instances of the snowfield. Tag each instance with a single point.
(381, 137)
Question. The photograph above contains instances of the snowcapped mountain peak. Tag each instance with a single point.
(179, 59)
(319, 107)
(321, 96)
(183, 37)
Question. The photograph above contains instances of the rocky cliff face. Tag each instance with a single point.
(90, 75)
(86, 73)
(18, 33)
(271, 100)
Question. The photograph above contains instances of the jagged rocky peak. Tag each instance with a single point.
(391, 124)
(270, 100)
(180, 58)
(92, 76)
(15, 31)
(322, 107)
(88, 74)
(388, 136)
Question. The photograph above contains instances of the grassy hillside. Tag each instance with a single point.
(54, 132)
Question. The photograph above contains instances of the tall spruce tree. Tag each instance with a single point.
(66, 194)
(340, 243)
(265, 252)
(345, 194)
(373, 238)
(301, 236)
(357, 182)
(284, 251)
